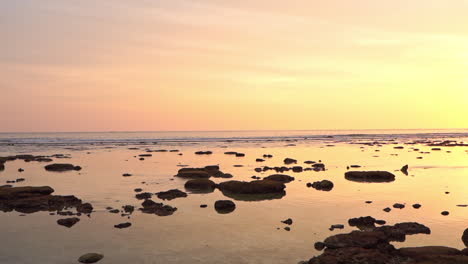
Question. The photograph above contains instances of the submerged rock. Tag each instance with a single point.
(224, 206)
(171, 194)
(369, 176)
(62, 167)
(90, 258)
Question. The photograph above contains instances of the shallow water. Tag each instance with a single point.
(249, 234)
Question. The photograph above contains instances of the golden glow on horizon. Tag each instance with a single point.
(213, 64)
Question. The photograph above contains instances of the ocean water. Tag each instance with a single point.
(253, 233)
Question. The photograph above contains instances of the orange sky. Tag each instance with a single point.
(86, 65)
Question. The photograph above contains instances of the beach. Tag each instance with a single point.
(253, 232)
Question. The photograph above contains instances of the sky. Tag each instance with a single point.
(147, 65)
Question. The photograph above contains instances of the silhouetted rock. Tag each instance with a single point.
(465, 237)
(171, 194)
(324, 185)
(370, 176)
(85, 208)
(123, 225)
(288, 161)
(194, 173)
(68, 222)
(404, 169)
(224, 206)
(151, 207)
(62, 167)
(90, 258)
(280, 178)
(200, 185)
(145, 195)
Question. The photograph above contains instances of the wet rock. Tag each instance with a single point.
(145, 155)
(128, 208)
(259, 160)
(203, 205)
(114, 211)
(288, 221)
(319, 246)
(280, 178)
(399, 206)
(34, 199)
(324, 185)
(289, 161)
(355, 166)
(126, 175)
(363, 223)
(20, 170)
(318, 166)
(253, 187)
(193, 173)
(336, 226)
(445, 213)
(309, 162)
(417, 252)
(90, 258)
(151, 207)
(387, 209)
(203, 152)
(85, 208)
(123, 225)
(171, 194)
(287, 228)
(62, 167)
(68, 222)
(224, 206)
(145, 195)
(404, 169)
(269, 156)
(465, 237)
(138, 190)
(230, 153)
(240, 154)
(416, 206)
(297, 169)
(369, 176)
(200, 185)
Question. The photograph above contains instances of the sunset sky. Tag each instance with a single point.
(111, 65)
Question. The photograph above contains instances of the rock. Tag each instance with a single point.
(259, 160)
(128, 208)
(363, 223)
(114, 211)
(404, 169)
(150, 207)
(203, 153)
(230, 153)
(319, 246)
(224, 206)
(138, 190)
(355, 166)
(145, 155)
(318, 166)
(288, 161)
(85, 208)
(123, 225)
(253, 187)
(288, 221)
(287, 228)
(203, 205)
(399, 206)
(297, 169)
(193, 173)
(90, 258)
(34, 199)
(324, 185)
(200, 185)
(62, 167)
(416, 206)
(126, 175)
(369, 176)
(416, 252)
(68, 222)
(337, 226)
(387, 209)
(145, 195)
(445, 213)
(280, 178)
(171, 194)
(465, 237)
(240, 154)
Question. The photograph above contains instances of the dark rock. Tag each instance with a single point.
(416, 206)
(85, 208)
(288, 161)
(259, 160)
(254, 190)
(297, 169)
(445, 213)
(114, 211)
(203, 206)
(288, 221)
(68, 222)
(62, 167)
(240, 154)
(128, 208)
(369, 176)
(123, 225)
(90, 258)
(324, 185)
(126, 175)
(318, 166)
(319, 246)
(465, 237)
(193, 173)
(387, 209)
(138, 190)
(404, 169)
(280, 178)
(203, 153)
(337, 226)
(287, 228)
(145, 195)
(150, 207)
(363, 223)
(145, 155)
(399, 206)
(200, 185)
(171, 194)
(224, 206)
